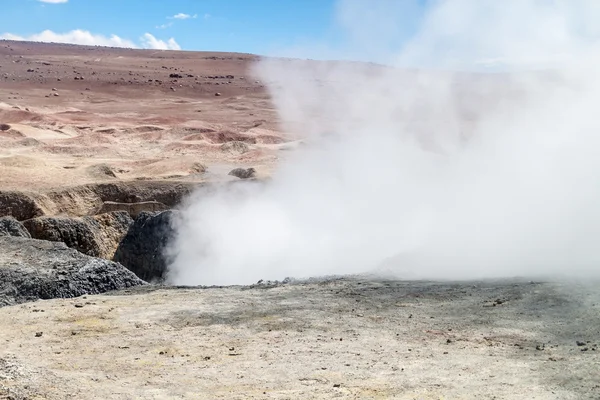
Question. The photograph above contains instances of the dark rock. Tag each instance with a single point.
(11, 227)
(142, 250)
(33, 269)
(243, 173)
(96, 236)
(19, 205)
(4, 127)
(176, 76)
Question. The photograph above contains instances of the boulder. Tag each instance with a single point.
(235, 147)
(33, 269)
(243, 173)
(96, 236)
(142, 250)
(9, 226)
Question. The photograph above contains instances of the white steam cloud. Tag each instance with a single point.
(428, 172)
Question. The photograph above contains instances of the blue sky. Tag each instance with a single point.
(253, 26)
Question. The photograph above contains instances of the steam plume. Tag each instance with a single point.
(475, 155)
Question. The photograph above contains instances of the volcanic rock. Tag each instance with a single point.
(96, 236)
(11, 227)
(19, 205)
(243, 173)
(142, 250)
(36, 269)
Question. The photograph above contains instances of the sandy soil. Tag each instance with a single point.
(72, 110)
(340, 338)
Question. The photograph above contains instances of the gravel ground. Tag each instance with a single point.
(347, 338)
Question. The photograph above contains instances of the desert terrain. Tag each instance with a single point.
(76, 115)
(87, 133)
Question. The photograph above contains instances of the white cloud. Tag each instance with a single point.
(164, 26)
(150, 42)
(181, 16)
(79, 36)
(53, 1)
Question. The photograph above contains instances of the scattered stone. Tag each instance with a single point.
(580, 343)
(4, 127)
(175, 76)
(39, 334)
(243, 173)
(33, 269)
(142, 250)
(217, 94)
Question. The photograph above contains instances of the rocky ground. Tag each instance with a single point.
(98, 145)
(356, 338)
